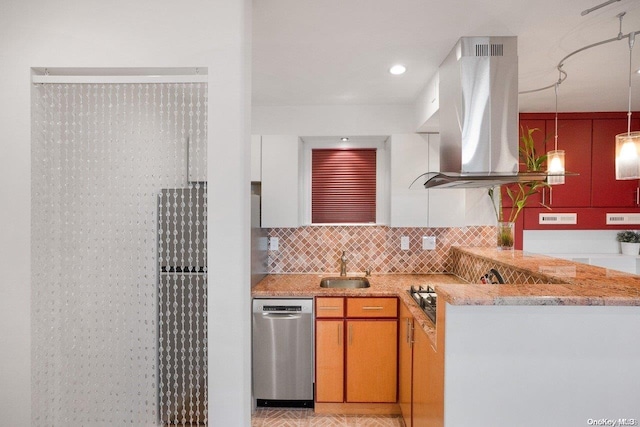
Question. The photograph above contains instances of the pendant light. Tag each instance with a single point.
(555, 157)
(628, 143)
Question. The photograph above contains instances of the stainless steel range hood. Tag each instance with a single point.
(479, 116)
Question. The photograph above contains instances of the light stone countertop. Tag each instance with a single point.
(582, 285)
(382, 285)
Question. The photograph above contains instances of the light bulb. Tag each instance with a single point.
(555, 167)
(398, 69)
(628, 155)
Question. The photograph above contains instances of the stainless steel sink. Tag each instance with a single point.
(344, 282)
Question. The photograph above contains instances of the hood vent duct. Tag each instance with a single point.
(479, 116)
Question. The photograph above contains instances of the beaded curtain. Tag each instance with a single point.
(118, 232)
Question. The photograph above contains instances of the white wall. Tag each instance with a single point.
(329, 120)
(541, 365)
(570, 241)
(213, 34)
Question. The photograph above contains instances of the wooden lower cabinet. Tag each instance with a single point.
(421, 375)
(329, 361)
(428, 383)
(371, 360)
(356, 358)
(405, 364)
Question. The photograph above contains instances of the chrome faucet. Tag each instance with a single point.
(343, 264)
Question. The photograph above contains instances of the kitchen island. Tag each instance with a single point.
(558, 345)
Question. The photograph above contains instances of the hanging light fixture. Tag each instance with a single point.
(555, 157)
(628, 143)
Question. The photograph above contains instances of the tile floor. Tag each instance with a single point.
(271, 417)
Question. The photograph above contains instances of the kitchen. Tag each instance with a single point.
(161, 43)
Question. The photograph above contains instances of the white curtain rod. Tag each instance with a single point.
(194, 78)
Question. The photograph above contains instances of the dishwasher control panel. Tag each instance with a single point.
(281, 308)
(267, 305)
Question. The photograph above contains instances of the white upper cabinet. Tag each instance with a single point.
(409, 158)
(412, 155)
(256, 158)
(447, 206)
(280, 178)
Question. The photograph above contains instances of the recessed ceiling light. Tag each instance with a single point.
(397, 69)
(344, 139)
(638, 71)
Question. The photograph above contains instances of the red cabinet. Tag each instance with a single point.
(607, 191)
(588, 140)
(574, 137)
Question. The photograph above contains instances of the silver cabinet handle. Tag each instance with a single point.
(550, 196)
(637, 196)
(372, 307)
(339, 335)
(328, 308)
(407, 334)
(350, 334)
(544, 196)
(412, 341)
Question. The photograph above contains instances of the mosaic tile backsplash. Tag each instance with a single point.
(317, 249)
(471, 268)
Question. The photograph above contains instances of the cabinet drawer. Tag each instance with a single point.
(372, 307)
(329, 307)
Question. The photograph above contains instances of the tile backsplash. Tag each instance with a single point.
(317, 249)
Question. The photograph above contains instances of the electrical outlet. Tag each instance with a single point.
(273, 243)
(404, 243)
(428, 243)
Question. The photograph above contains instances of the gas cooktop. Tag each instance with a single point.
(426, 300)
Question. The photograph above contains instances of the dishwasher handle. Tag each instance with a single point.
(281, 316)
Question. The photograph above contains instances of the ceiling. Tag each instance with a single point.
(336, 52)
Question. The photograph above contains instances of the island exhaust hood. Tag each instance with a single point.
(479, 116)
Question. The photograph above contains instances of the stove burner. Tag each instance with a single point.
(426, 300)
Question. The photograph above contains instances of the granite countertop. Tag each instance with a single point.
(570, 284)
(382, 285)
(580, 284)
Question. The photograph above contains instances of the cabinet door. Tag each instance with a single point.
(574, 137)
(256, 158)
(428, 383)
(405, 359)
(607, 191)
(329, 361)
(446, 206)
(280, 177)
(409, 158)
(372, 360)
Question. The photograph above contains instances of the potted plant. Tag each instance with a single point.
(629, 242)
(519, 193)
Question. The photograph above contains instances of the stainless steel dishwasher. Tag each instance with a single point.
(283, 352)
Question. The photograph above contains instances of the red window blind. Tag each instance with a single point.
(343, 186)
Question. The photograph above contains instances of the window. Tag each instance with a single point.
(343, 186)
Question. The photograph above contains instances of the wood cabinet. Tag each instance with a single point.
(405, 364)
(574, 137)
(329, 361)
(607, 191)
(371, 360)
(356, 355)
(421, 375)
(428, 383)
(588, 140)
